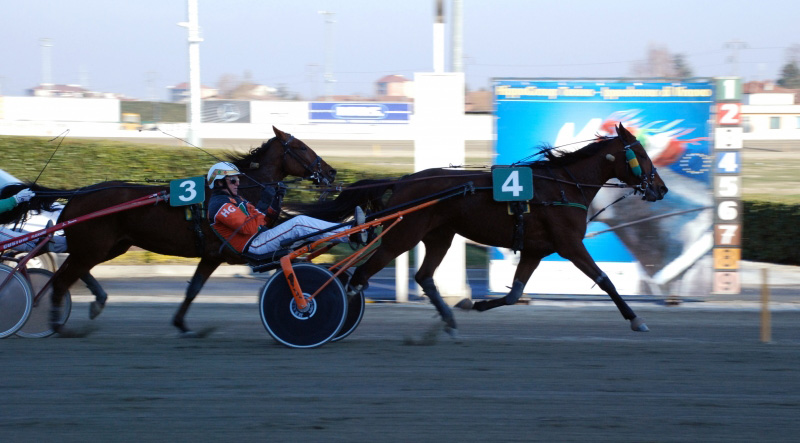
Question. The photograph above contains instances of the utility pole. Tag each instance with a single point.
(194, 109)
(329, 80)
(735, 46)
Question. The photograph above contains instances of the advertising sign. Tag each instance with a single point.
(226, 111)
(351, 112)
(660, 248)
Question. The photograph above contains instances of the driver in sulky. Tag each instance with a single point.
(252, 228)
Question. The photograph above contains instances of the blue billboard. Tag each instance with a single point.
(667, 243)
(351, 112)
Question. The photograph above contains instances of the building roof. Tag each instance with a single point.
(393, 78)
(185, 85)
(60, 88)
(765, 87)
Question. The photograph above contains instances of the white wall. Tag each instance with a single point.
(60, 109)
(44, 116)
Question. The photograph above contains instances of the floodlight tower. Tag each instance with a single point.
(329, 80)
(195, 104)
(458, 37)
(47, 66)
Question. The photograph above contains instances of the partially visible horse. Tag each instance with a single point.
(565, 184)
(164, 229)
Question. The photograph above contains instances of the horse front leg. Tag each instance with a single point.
(204, 270)
(580, 257)
(528, 263)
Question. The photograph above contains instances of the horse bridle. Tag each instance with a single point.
(315, 167)
(636, 168)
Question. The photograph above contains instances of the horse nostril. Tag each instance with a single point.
(664, 190)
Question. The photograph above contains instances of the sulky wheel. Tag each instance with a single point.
(322, 320)
(38, 324)
(355, 309)
(16, 301)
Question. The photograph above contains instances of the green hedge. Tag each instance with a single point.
(81, 162)
(771, 232)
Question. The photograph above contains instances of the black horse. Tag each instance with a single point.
(565, 184)
(161, 228)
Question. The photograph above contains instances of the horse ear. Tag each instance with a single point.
(621, 130)
(278, 133)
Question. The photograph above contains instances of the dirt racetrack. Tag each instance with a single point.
(522, 373)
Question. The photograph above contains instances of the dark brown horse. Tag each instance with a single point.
(164, 229)
(564, 185)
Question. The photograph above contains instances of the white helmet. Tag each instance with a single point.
(219, 171)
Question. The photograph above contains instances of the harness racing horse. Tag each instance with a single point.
(565, 184)
(164, 229)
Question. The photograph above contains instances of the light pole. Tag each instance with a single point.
(195, 105)
(329, 80)
(47, 68)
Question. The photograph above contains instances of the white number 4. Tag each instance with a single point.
(512, 184)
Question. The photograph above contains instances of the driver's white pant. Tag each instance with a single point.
(300, 226)
(57, 244)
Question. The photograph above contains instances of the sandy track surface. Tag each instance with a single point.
(521, 373)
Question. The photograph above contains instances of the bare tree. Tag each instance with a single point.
(660, 62)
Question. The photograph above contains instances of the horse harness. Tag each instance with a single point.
(518, 208)
(315, 167)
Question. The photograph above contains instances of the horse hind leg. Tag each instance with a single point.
(204, 270)
(100, 295)
(437, 243)
(430, 290)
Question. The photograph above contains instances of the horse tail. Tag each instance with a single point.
(42, 201)
(366, 193)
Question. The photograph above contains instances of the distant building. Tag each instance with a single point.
(770, 115)
(479, 102)
(394, 88)
(180, 92)
(71, 91)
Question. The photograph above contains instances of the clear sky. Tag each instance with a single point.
(136, 48)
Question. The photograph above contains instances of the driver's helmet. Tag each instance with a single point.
(220, 171)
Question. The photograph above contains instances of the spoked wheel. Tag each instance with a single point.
(16, 301)
(38, 324)
(355, 309)
(321, 321)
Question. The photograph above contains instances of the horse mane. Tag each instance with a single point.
(557, 157)
(244, 160)
(367, 193)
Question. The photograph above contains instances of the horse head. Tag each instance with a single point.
(281, 156)
(635, 167)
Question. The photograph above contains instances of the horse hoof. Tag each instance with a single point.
(95, 309)
(203, 333)
(465, 304)
(637, 324)
(452, 332)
